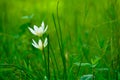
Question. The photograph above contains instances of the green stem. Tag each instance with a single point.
(53, 53)
(48, 59)
(93, 72)
(61, 51)
(44, 59)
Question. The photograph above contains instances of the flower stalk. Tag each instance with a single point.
(42, 43)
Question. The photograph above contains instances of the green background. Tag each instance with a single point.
(90, 30)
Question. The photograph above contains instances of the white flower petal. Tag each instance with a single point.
(40, 30)
(40, 43)
(46, 29)
(32, 31)
(45, 42)
(43, 25)
(36, 28)
(34, 44)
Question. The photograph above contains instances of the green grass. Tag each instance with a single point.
(83, 40)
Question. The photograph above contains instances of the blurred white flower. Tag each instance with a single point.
(39, 31)
(40, 44)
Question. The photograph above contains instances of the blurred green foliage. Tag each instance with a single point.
(90, 33)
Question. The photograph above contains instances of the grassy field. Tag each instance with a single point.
(83, 40)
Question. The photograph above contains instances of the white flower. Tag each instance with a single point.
(40, 44)
(39, 31)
